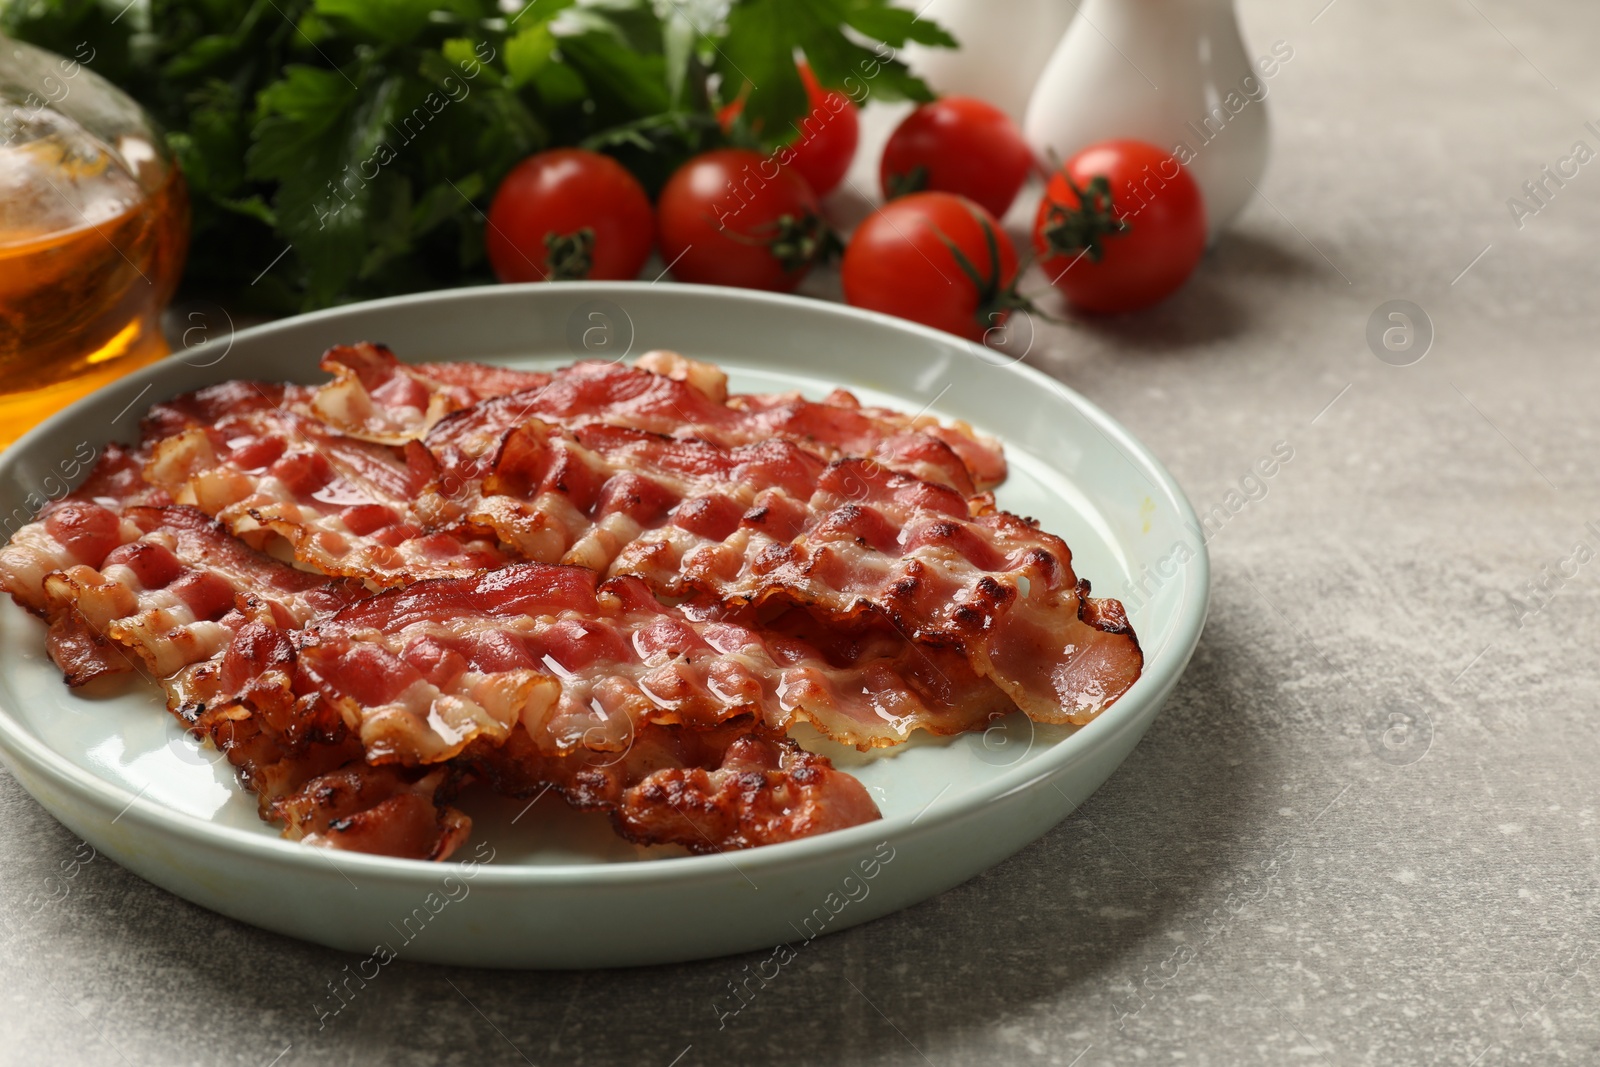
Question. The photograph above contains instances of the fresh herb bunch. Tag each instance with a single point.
(353, 144)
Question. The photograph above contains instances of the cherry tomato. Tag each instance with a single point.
(735, 217)
(1121, 226)
(824, 143)
(568, 213)
(934, 258)
(957, 145)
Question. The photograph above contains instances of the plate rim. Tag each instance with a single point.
(18, 742)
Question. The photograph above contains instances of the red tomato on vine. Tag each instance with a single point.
(735, 217)
(957, 145)
(825, 140)
(934, 258)
(1121, 226)
(568, 213)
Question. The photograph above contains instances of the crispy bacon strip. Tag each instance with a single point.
(706, 378)
(589, 531)
(208, 615)
(661, 509)
(583, 496)
(377, 397)
(122, 581)
(373, 397)
(734, 786)
(850, 427)
(667, 394)
(889, 686)
(421, 673)
(482, 379)
(81, 527)
(293, 750)
(164, 593)
(816, 535)
(869, 540)
(754, 523)
(207, 406)
(79, 530)
(343, 505)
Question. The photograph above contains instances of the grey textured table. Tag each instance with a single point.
(1361, 833)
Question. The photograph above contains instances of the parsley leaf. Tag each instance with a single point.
(353, 145)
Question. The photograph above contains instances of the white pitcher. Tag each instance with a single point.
(1004, 46)
(1171, 72)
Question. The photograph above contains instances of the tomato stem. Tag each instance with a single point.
(569, 256)
(907, 182)
(1067, 230)
(797, 242)
(800, 241)
(995, 300)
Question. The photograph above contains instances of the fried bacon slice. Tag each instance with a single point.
(389, 811)
(376, 397)
(80, 530)
(164, 593)
(82, 527)
(307, 769)
(343, 505)
(126, 581)
(664, 393)
(737, 784)
(373, 397)
(869, 540)
(865, 667)
(422, 672)
(754, 523)
(837, 564)
(207, 406)
(583, 496)
(734, 786)
(482, 379)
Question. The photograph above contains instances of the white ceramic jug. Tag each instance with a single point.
(1004, 46)
(1170, 72)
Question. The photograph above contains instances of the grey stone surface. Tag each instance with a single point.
(1263, 882)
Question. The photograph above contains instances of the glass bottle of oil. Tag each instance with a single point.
(94, 222)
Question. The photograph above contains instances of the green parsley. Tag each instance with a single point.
(367, 136)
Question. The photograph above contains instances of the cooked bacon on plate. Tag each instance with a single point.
(873, 541)
(80, 528)
(164, 589)
(710, 569)
(636, 398)
(166, 593)
(208, 406)
(113, 566)
(307, 769)
(343, 505)
(376, 397)
(419, 673)
(584, 496)
(733, 786)
(755, 522)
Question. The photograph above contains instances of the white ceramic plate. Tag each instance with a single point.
(547, 887)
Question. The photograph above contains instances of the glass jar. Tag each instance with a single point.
(94, 225)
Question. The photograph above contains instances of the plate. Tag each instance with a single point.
(547, 887)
